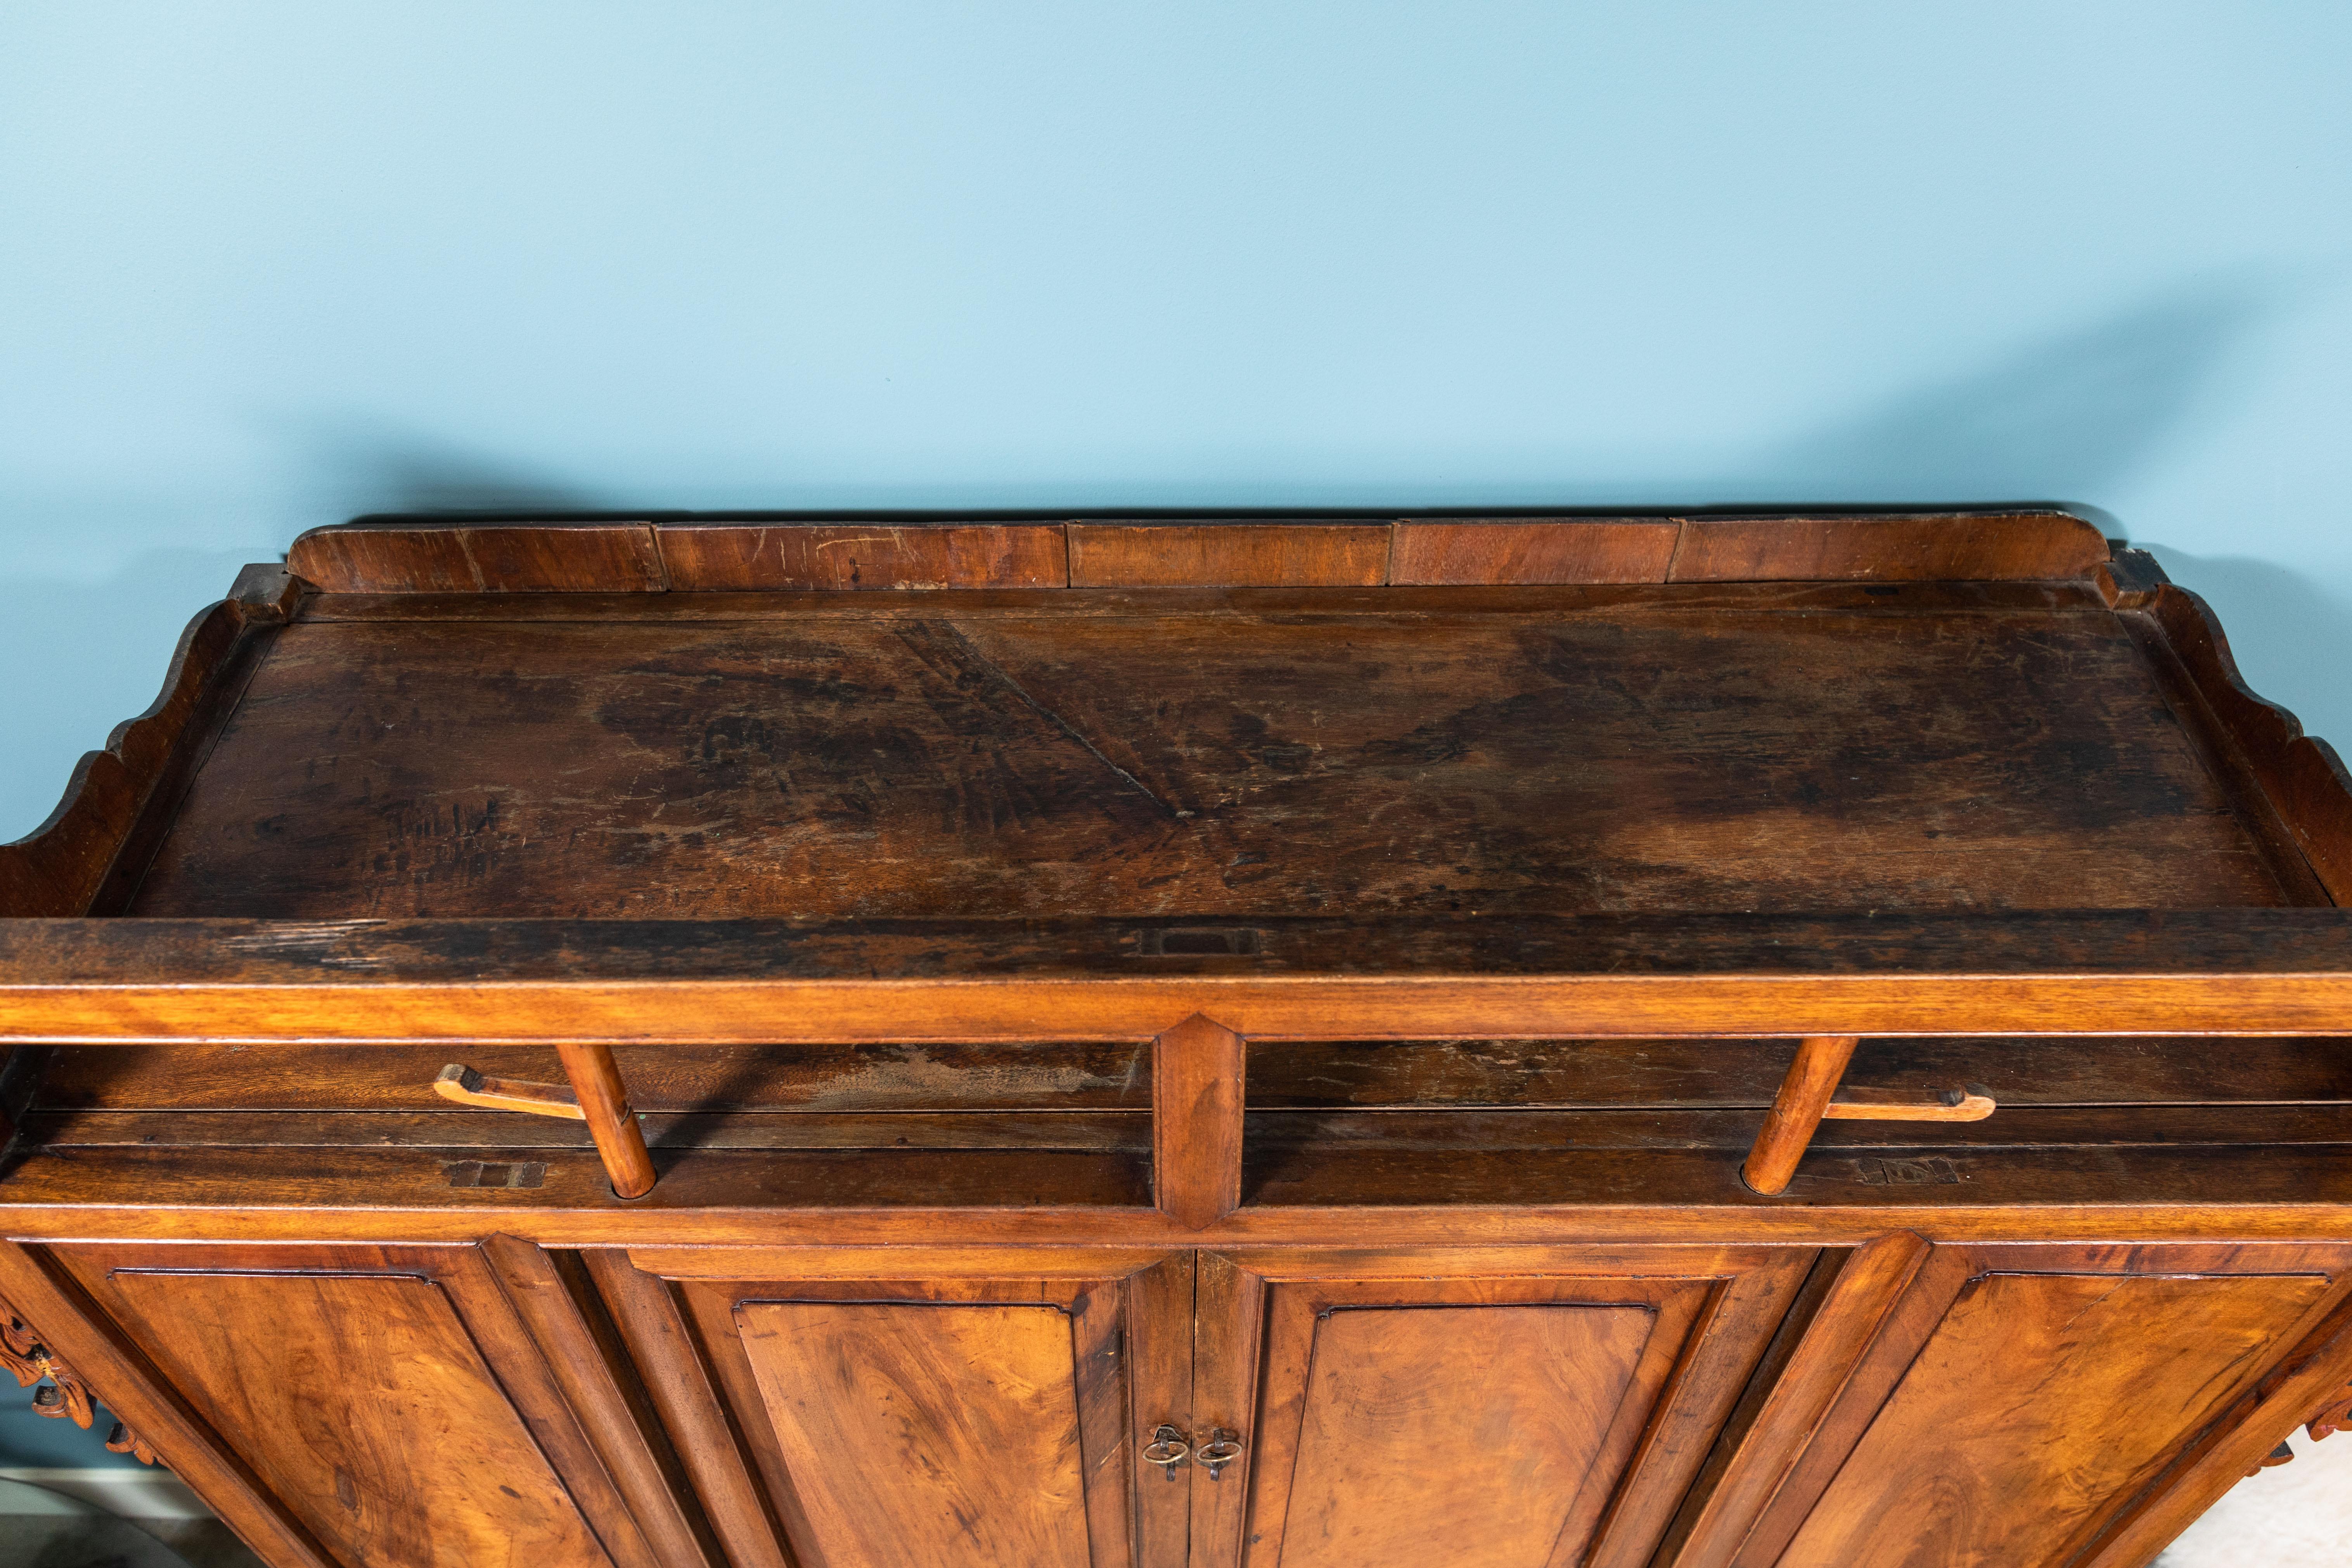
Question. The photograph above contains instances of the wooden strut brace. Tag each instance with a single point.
(597, 1095)
(1196, 1098)
(1197, 1069)
(1803, 1103)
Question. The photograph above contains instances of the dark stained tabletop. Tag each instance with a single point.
(1967, 747)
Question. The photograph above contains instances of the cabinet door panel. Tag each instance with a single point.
(960, 1410)
(927, 1434)
(1454, 1434)
(367, 1408)
(2037, 1401)
(2029, 1405)
(389, 1400)
(1520, 1408)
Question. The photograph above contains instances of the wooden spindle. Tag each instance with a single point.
(1796, 1110)
(1196, 1121)
(604, 1106)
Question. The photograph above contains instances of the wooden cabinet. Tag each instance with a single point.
(1954, 1406)
(1643, 1042)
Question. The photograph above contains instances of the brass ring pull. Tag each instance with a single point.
(1167, 1449)
(1222, 1449)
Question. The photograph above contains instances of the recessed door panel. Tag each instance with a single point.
(926, 1433)
(366, 1407)
(2040, 1401)
(1533, 1407)
(1455, 1434)
(953, 1407)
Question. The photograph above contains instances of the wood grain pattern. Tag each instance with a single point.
(701, 1080)
(604, 1100)
(348, 1393)
(1201, 767)
(1196, 1121)
(1120, 1348)
(1451, 603)
(1586, 549)
(434, 556)
(2297, 777)
(741, 1086)
(596, 1384)
(2195, 1481)
(1705, 1316)
(1307, 1006)
(1934, 1482)
(1227, 555)
(1459, 1435)
(738, 558)
(225, 1482)
(678, 1380)
(1888, 549)
(479, 558)
(2015, 946)
(933, 1433)
(1509, 846)
(1787, 1410)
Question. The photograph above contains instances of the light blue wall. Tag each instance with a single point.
(266, 266)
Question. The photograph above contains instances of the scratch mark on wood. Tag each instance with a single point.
(1004, 677)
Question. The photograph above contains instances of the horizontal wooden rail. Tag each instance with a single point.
(2225, 971)
(1296, 1007)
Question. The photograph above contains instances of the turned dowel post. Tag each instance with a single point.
(604, 1106)
(1797, 1111)
(1196, 1121)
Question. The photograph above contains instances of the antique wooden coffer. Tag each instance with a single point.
(1654, 1042)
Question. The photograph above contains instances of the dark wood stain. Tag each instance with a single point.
(1153, 765)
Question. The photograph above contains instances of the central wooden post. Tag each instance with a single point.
(1797, 1111)
(1196, 1121)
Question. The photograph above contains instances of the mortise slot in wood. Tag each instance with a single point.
(1879, 1105)
(597, 1095)
(1804, 1102)
(463, 1084)
(1797, 1111)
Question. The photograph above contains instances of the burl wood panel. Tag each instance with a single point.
(1454, 1434)
(366, 1409)
(927, 1434)
(502, 558)
(2042, 1402)
(1598, 551)
(1002, 764)
(1888, 549)
(864, 557)
(1227, 556)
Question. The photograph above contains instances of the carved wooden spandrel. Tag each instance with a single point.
(58, 1391)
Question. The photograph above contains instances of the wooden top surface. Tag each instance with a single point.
(1169, 752)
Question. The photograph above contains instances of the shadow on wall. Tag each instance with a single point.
(2074, 414)
(2077, 415)
(2292, 637)
(120, 632)
(373, 467)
